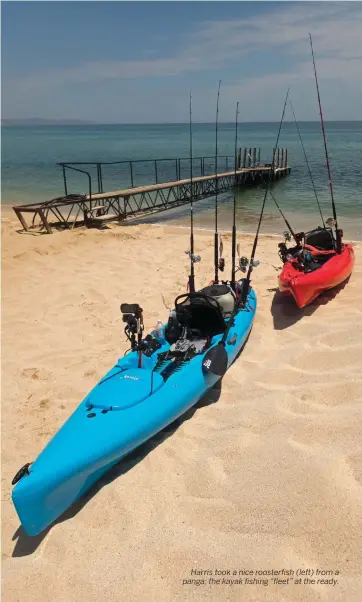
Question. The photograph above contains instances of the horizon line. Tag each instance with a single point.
(75, 122)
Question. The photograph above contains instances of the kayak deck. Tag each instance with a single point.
(129, 405)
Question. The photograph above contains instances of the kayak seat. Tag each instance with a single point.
(223, 294)
(200, 312)
(321, 239)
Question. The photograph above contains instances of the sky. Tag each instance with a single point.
(135, 62)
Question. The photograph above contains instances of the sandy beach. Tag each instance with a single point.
(264, 475)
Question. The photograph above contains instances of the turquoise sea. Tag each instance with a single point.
(30, 154)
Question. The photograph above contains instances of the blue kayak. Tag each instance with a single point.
(145, 391)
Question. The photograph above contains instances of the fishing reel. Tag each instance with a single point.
(243, 264)
(332, 223)
(255, 263)
(194, 258)
(133, 317)
(283, 252)
(244, 261)
(283, 249)
(287, 236)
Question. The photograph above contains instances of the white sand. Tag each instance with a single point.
(269, 477)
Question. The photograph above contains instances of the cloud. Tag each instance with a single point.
(261, 57)
(336, 28)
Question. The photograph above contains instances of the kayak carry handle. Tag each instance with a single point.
(24, 470)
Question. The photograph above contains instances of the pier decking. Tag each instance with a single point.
(72, 209)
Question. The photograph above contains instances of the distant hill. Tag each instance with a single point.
(39, 121)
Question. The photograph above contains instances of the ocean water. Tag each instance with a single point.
(30, 173)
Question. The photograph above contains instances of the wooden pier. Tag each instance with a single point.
(76, 209)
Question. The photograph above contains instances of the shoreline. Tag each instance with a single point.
(268, 234)
(9, 212)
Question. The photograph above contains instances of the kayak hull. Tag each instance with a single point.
(306, 287)
(126, 408)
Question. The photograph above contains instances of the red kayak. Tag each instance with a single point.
(319, 261)
(310, 270)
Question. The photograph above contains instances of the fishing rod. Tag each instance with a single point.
(338, 232)
(216, 358)
(218, 265)
(233, 244)
(307, 162)
(193, 258)
(284, 218)
(252, 257)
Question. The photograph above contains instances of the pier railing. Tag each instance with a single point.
(131, 174)
(140, 171)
